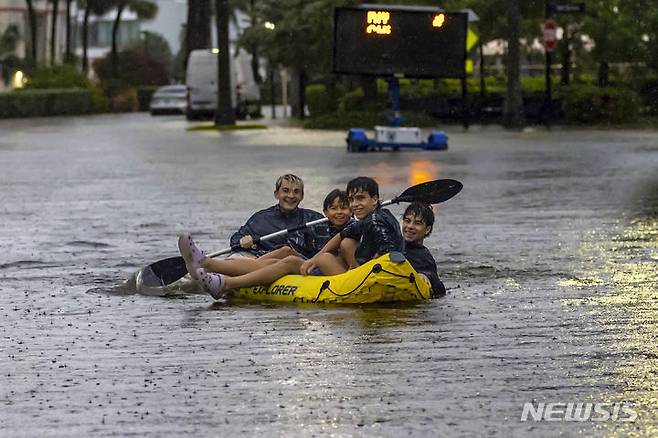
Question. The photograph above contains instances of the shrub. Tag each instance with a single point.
(120, 96)
(649, 93)
(590, 104)
(125, 101)
(57, 77)
(51, 102)
(366, 119)
(144, 95)
(351, 101)
(136, 67)
(346, 120)
(322, 99)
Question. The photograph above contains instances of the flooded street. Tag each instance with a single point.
(549, 255)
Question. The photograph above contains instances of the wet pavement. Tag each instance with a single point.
(549, 255)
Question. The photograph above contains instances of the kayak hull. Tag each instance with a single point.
(389, 278)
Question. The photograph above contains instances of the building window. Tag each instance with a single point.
(100, 33)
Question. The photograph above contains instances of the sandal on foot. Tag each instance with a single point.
(191, 253)
(213, 283)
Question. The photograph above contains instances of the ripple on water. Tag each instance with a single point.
(88, 244)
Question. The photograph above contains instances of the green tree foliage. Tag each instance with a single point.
(156, 47)
(58, 77)
(146, 68)
(145, 9)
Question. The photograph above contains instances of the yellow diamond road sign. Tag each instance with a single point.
(471, 39)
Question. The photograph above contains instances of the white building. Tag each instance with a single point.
(15, 12)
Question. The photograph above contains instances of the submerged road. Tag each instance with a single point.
(549, 255)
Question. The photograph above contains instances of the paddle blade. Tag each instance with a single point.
(431, 192)
(164, 272)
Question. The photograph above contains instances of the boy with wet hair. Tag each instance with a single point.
(286, 214)
(417, 224)
(376, 232)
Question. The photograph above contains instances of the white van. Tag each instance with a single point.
(201, 81)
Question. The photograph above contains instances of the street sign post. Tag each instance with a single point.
(550, 34)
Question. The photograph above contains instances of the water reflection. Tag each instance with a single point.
(628, 265)
(421, 171)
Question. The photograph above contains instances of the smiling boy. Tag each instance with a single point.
(286, 214)
(417, 224)
(376, 232)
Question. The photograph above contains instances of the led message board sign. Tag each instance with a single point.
(384, 40)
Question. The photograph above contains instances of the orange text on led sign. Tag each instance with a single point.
(378, 22)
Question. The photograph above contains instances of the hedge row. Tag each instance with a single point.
(50, 102)
(574, 104)
(71, 101)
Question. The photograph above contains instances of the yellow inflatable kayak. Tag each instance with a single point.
(389, 278)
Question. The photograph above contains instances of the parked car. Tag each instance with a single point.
(170, 99)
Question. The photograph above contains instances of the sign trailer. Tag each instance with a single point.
(399, 42)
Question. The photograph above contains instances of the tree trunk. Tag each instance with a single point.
(85, 39)
(295, 93)
(197, 30)
(565, 73)
(115, 35)
(68, 57)
(603, 74)
(224, 114)
(255, 63)
(33, 32)
(483, 84)
(513, 110)
(53, 33)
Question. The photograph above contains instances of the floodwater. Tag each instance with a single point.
(549, 255)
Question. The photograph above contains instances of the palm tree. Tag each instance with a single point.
(145, 9)
(224, 114)
(67, 54)
(96, 7)
(197, 30)
(33, 32)
(53, 31)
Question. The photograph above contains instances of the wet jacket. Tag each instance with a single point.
(422, 261)
(377, 234)
(272, 219)
(323, 233)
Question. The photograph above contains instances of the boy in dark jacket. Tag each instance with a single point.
(376, 233)
(289, 192)
(417, 223)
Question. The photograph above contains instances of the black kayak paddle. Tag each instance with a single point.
(169, 270)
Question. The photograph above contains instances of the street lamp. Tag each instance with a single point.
(270, 26)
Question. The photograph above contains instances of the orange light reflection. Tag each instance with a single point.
(421, 171)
